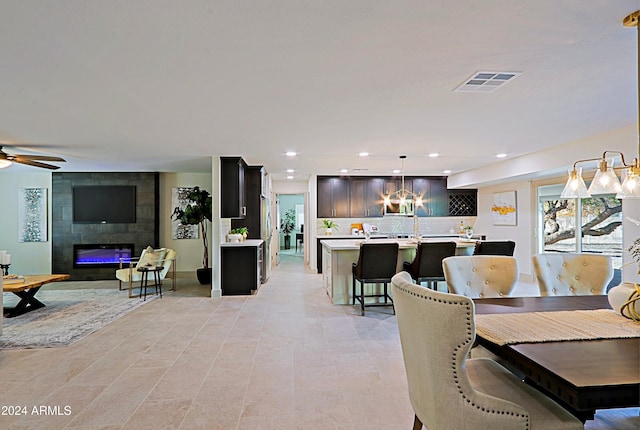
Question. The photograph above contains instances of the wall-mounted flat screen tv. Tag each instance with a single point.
(104, 204)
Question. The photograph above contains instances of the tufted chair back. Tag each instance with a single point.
(572, 274)
(446, 390)
(481, 275)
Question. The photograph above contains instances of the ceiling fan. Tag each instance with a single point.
(29, 160)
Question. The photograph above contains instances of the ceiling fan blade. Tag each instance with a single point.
(38, 157)
(35, 164)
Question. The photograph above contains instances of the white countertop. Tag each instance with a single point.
(336, 245)
(248, 242)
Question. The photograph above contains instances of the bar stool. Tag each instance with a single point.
(144, 281)
(376, 264)
(427, 264)
(497, 247)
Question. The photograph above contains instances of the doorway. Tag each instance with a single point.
(291, 228)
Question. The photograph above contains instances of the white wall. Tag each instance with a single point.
(189, 251)
(523, 234)
(27, 258)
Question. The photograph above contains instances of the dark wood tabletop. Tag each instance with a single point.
(582, 375)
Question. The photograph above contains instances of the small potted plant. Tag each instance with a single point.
(236, 234)
(329, 225)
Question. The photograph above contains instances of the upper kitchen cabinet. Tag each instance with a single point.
(232, 187)
(333, 197)
(253, 183)
(433, 191)
(366, 197)
(463, 202)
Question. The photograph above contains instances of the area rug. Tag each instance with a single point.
(69, 315)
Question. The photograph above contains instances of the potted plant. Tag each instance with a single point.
(329, 225)
(237, 234)
(287, 225)
(198, 212)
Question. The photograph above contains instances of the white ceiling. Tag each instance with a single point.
(165, 85)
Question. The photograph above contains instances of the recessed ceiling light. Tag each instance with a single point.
(446, 171)
(290, 177)
(434, 155)
(502, 155)
(344, 170)
(291, 153)
(290, 170)
(396, 171)
(364, 154)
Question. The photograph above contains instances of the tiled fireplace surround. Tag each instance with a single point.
(65, 234)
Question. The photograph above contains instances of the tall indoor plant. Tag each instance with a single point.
(287, 225)
(197, 212)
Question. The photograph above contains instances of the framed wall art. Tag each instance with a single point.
(504, 209)
(32, 215)
(179, 199)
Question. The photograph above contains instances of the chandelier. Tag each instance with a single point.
(605, 180)
(405, 199)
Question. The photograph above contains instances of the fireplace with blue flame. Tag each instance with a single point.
(102, 255)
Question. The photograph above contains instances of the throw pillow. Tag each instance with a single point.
(152, 257)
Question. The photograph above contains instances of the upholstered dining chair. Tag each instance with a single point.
(427, 263)
(377, 263)
(128, 273)
(481, 275)
(495, 247)
(449, 391)
(572, 274)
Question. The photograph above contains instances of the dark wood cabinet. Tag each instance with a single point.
(363, 196)
(366, 197)
(253, 178)
(433, 191)
(333, 197)
(462, 202)
(240, 269)
(232, 187)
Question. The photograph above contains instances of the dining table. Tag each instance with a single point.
(583, 372)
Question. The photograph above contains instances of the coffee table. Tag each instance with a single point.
(26, 291)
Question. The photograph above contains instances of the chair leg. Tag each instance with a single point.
(353, 289)
(417, 424)
(362, 298)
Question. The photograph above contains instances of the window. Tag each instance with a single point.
(598, 221)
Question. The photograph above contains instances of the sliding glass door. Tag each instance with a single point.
(592, 225)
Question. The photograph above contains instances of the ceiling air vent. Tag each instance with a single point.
(359, 170)
(486, 82)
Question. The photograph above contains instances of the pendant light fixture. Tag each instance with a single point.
(605, 180)
(405, 199)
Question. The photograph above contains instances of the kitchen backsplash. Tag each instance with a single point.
(401, 224)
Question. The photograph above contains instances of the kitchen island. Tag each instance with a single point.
(339, 255)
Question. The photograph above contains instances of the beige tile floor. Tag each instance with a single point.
(283, 359)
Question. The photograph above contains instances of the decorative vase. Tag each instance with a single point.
(234, 238)
(329, 231)
(204, 276)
